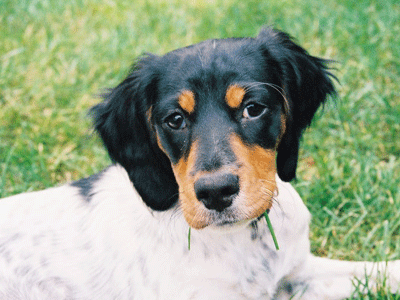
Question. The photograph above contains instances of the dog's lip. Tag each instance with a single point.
(230, 223)
(227, 223)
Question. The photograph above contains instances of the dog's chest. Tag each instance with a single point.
(214, 268)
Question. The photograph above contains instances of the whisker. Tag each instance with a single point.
(267, 180)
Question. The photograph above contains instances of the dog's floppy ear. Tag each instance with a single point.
(123, 123)
(306, 82)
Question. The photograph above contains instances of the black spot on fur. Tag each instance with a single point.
(86, 185)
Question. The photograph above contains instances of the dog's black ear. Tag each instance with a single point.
(307, 83)
(122, 120)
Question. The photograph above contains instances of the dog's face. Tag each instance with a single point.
(209, 126)
(219, 120)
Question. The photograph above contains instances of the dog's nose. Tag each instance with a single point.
(217, 191)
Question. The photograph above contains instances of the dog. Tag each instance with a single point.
(204, 141)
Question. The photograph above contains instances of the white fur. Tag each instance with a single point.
(56, 245)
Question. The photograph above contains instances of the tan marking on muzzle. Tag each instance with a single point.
(193, 210)
(234, 95)
(186, 101)
(256, 177)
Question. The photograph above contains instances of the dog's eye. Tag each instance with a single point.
(176, 121)
(253, 110)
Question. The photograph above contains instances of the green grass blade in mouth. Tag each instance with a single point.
(189, 233)
(271, 229)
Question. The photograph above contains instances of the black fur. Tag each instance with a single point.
(124, 123)
(121, 122)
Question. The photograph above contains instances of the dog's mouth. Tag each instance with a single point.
(230, 225)
(227, 222)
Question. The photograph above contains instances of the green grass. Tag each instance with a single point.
(55, 56)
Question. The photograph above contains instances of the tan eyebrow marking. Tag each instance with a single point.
(234, 95)
(186, 101)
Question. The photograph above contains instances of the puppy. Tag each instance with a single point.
(205, 139)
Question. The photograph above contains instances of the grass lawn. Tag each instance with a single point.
(55, 56)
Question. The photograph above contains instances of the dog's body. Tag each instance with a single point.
(199, 138)
(57, 245)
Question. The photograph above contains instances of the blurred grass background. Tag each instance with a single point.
(55, 56)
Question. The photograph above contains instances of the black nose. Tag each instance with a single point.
(217, 191)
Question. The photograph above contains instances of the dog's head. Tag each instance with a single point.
(210, 125)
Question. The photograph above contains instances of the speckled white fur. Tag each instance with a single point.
(56, 245)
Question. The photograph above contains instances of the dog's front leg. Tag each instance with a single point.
(322, 278)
